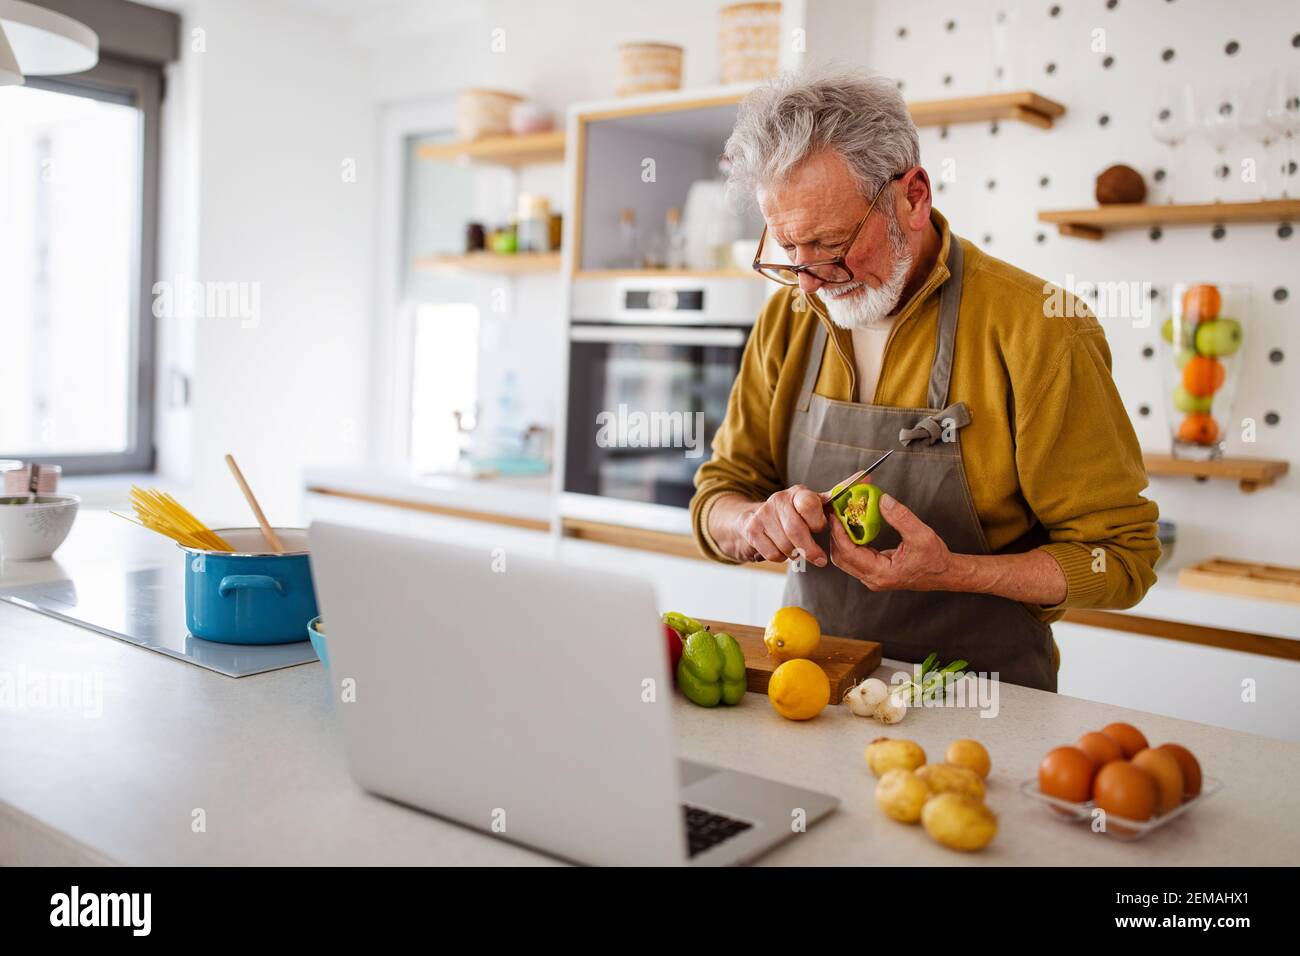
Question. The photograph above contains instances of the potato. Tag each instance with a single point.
(969, 754)
(943, 778)
(901, 794)
(959, 822)
(885, 753)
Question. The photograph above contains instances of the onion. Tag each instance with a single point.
(874, 690)
(891, 710)
(857, 703)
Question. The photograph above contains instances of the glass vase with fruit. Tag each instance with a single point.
(1202, 342)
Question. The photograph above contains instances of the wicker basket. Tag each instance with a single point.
(648, 68)
(749, 41)
(482, 113)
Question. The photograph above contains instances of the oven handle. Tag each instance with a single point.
(657, 335)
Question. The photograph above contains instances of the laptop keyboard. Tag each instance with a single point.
(705, 830)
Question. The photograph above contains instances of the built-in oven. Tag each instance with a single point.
(651, 367)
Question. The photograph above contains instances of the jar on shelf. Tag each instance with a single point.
(534, 229)
(1201, 357)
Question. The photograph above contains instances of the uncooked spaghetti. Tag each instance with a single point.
(160, 512)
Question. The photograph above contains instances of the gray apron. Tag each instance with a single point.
(831, 439)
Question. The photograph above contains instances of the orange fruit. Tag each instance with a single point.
(1198, 429)
(1202, 375)
(1201, 303)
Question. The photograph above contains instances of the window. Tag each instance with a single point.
(444, 384)
(78, 194)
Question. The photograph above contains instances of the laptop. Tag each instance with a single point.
(531, 700)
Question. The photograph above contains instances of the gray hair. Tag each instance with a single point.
(860, 116)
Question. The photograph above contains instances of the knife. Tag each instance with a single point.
(855, 477)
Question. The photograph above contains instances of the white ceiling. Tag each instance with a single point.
(376, 22)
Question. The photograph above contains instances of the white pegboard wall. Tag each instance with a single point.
(1005, 173)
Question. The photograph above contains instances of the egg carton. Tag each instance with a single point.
(1117, 827)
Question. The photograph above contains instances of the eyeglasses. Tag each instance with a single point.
(834, 270)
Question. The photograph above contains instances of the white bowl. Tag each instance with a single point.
(30, 531)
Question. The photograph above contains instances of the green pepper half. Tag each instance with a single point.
(858, 508)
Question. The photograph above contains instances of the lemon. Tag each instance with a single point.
(799, 689)
(792, 633)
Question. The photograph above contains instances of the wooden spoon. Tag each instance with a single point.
(272, 539)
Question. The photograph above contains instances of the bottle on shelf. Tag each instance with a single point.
(626, 254)
(674, 240)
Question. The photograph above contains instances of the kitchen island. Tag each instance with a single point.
(259, 762)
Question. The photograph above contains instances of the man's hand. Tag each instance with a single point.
(921, 562)
(776, 529)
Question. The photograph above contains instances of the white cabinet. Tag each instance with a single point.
(1189, 681)
(423, 524)
(688, 585)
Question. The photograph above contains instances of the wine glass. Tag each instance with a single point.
(1283, 114)
(1173, 117)
(1255, 125)
(1008, 24)
(1220, 125)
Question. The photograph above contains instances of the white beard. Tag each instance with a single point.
(871, 305)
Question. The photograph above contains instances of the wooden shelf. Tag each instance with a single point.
(1249, 473)
(491, 262)
(666, 274)
(523, 150)
(1269, 581)
(1023, 106)
(1094, 223)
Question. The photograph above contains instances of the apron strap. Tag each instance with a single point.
(814, 365)
(946, 335)
(930, 428)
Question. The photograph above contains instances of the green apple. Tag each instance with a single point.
(1218, 337)
(1183, 356)
(1189, 404)
(1187, 336)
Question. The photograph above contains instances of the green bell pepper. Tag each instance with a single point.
(858, 508)
(712, 669)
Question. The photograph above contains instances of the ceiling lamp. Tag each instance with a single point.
(41, 42)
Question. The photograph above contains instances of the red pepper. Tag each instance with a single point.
(674, 648)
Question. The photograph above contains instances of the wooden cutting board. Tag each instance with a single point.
(845, 661)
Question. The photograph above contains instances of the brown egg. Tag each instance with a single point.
(1163, 766)
(1189, 766)
(1100, 748)
(1129, 738)
(1124, 790)
(1066, 773)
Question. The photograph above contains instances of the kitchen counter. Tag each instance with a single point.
(262, 758)
(514, 499)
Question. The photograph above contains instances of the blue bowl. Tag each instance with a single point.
(318, 641)
(250, 596)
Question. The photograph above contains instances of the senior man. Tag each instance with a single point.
(1014, 487)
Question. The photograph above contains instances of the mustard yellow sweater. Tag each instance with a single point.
(1050, 454)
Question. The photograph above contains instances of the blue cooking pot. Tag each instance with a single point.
(251, 595)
